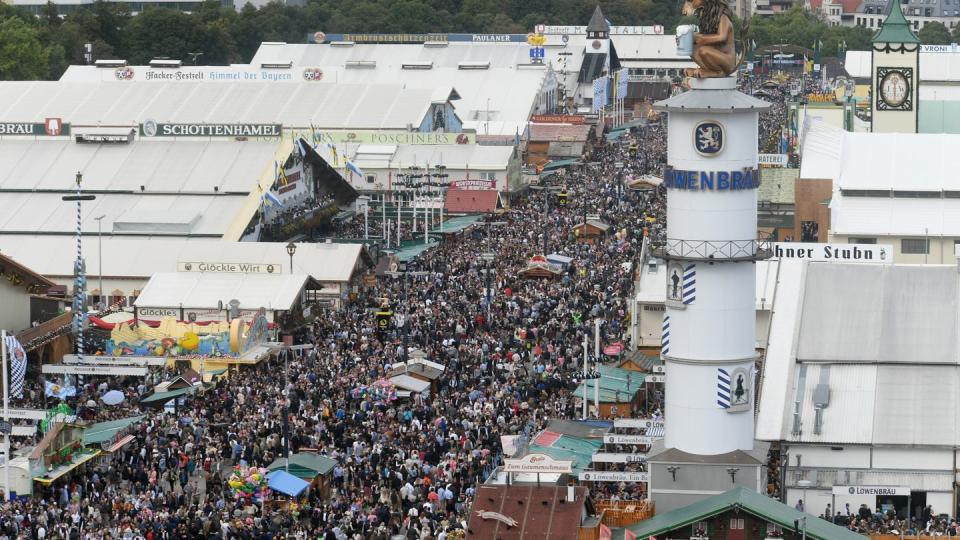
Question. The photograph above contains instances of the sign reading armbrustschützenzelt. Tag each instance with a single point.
(150, 128)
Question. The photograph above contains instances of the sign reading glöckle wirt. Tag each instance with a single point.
(229, 267)
(150, 128)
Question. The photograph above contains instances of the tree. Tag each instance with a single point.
(22, 55)
(934, 33)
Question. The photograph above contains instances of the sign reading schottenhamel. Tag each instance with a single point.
(150, 128)
(711, 180)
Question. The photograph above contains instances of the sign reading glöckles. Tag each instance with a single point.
(151, 128)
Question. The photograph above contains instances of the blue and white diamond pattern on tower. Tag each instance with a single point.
(711, 249)
(665, 337)
(689, 284)
(723, 388)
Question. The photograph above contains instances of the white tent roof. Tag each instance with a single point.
(507, 90)
(882, 385)
(204, 291)
(189, 187)
(295, 104)
(886, 216)
(924, 161)
(135, 257)
(941, 66)
(821, 150)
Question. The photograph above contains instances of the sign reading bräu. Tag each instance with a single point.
(711, 180)
(150, 128)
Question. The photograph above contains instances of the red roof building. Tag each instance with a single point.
(526, 512)
(472, 201)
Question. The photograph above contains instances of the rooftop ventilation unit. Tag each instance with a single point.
(166, 63)
(277, 65)
(473, 65)
(110, 63)
(435, 44)
(417, 65)
(342, 43)
(361, 64)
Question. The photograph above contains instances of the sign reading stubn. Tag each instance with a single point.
(863, 253)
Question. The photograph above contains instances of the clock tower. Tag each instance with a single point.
(896, 65)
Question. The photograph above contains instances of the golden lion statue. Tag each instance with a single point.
(714, 49)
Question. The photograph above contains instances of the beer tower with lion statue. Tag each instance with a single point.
(711, 247)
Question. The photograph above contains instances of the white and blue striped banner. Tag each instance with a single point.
(600, 99)
(689, 284)
(18, 366)
(723, 388)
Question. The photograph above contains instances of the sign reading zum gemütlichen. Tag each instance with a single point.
(150, 128)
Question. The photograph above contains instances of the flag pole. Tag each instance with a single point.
(6, 417)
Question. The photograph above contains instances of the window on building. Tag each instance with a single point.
(809, 231)
(915, 246)
(700, 529)
(736, 524)
(916, 194)
(371, 178)
(773, 528)
(861, 240)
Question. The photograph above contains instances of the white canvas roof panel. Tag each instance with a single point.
(916, 405)
(821, 150)
(849, 417)
(293, 104)
(879, 313)
(133, 257)
(204, 291)
(885, 216)
(778, 364)
(899, 161)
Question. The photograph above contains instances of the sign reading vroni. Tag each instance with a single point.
(711, 180)
(150, 128)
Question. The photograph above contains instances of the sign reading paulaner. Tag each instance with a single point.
(150, 128)
(229, 267)
(856, 253)
(883, 491)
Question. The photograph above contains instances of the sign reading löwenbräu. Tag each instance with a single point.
(150, 128)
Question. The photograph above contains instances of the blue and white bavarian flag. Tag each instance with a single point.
(18, 366)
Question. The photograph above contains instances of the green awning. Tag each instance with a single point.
(412, 252)
(750, 502)
(616, 134)
(164, 396)
(559, 164)
(216, 372)
(305, 465)
(104, 431)
(455, 225)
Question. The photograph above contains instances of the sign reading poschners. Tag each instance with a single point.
(711, 180)
(882, 491)
(860, 253)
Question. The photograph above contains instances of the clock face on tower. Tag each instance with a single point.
(894, 89)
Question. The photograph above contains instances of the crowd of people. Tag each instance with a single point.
(404, 466)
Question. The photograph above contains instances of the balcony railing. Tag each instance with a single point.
(714, 250)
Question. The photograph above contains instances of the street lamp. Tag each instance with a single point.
(99, 221)
(291, 249)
